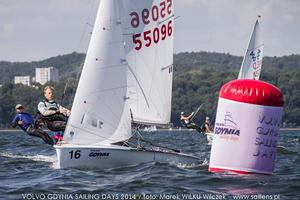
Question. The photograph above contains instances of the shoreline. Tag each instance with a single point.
(282, 129)
(290, 129)
(10, 130)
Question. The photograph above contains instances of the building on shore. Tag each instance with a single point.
(44, 75)
(25, 80)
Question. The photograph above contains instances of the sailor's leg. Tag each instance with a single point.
(198, 128)
(31, 131)
(57, 125)
(58, 136)
(191, 126)
(41, 134)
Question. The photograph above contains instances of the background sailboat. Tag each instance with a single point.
(127, 76)
(252, 62)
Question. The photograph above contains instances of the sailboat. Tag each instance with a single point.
(252, 62)
(126, 79)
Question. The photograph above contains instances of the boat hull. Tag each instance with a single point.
(102, 157)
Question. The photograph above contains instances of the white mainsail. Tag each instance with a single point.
(100, 111)
(148, 36)
(252, 62)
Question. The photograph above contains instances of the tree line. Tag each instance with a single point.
(198, 77)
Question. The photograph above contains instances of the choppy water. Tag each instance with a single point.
(29, 171)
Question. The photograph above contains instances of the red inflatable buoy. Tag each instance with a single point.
(246, 128)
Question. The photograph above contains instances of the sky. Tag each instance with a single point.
(33, 30)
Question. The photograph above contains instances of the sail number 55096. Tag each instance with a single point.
(155, 35)
(161, 11)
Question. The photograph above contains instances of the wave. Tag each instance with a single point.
(204, 163)
(38, 158)
(282, 150)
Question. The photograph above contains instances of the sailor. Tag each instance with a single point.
(25, 122)
(51, 113)
(187, 122)
(205, 127)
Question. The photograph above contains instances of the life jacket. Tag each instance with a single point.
(185, 121)
(55, 117)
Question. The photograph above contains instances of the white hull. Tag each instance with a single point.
(101, 157)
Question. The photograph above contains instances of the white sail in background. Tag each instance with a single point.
(252, 62)
(99, 111)
(148, 37)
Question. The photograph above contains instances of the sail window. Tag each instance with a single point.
(100, 123)
(94, 122)
(91, 121)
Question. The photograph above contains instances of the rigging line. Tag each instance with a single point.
(140, 138)
(144, 63)
(158, 91)
(156, 145)
(144, 95)
(77, 80)
(64, 92)
(159, 23)
(87, 23)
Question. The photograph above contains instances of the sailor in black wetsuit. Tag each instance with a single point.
(205, 127)
(51, 113)
(187, 122)
(25, 122)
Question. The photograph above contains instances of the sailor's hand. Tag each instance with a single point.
(20, 122)
(64, 111)
(68, 113)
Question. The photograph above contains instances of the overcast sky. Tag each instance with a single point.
(32, 30)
